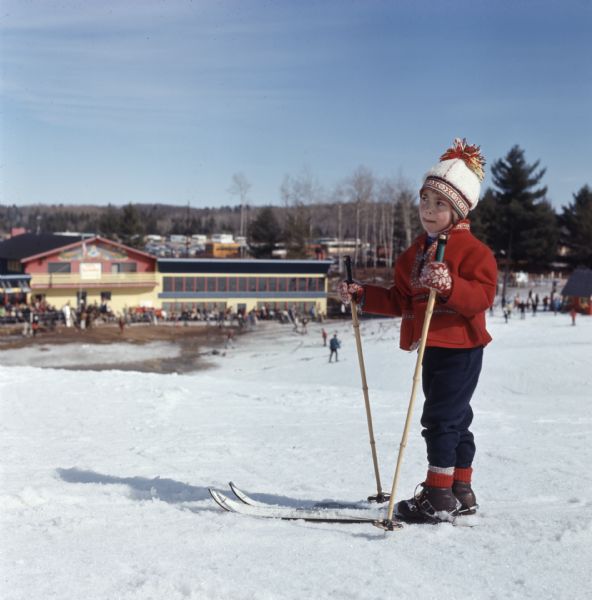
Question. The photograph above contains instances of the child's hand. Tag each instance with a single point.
(350, 291)
(436, 276)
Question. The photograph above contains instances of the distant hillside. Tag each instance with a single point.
(164, 219)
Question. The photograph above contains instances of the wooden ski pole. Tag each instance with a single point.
(442, 239)
(380, 495)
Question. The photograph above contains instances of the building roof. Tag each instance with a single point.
(579, 284)
(97, 239)
(230, 265)
(30, 244)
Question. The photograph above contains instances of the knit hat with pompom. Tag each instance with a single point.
(458, 176)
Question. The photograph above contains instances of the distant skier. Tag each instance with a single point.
(304, 324)
(465, 284)
(324, 334)
(334, 345)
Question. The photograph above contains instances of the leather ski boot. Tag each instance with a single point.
(465, 495)
(430, 505)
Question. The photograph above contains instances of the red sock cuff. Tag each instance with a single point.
(441, 480)
(463, 475)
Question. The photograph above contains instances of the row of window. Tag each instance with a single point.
(176, 307)
(66, 267)
(243, 284)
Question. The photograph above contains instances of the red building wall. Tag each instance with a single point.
(99, 251)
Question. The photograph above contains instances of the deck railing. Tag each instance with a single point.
(69, 280)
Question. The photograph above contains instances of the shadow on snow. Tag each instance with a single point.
(176, 492)
(141, 488)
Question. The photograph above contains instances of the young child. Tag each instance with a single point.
(465, 283)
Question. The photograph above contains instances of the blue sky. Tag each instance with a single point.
(163, 101)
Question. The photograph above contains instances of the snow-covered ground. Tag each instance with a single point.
(105, 474)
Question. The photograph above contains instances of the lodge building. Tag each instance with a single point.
(90, 270)
(62, 269)
(241, 285)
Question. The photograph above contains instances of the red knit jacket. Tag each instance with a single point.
(457, 322)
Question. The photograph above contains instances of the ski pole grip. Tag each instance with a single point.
(348, 270)
(442, 239)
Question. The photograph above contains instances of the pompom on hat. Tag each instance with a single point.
(458, 176)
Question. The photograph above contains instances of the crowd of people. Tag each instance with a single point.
(530, 304)
(34, 316)
(38, 315)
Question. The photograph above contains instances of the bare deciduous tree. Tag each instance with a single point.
(407, 224)
(360, 190)
(387, 196)
(240, 187)
(299, 195)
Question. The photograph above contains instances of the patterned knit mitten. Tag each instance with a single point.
(350, 291)
(436, 276)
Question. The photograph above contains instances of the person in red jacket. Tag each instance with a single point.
(465, 283)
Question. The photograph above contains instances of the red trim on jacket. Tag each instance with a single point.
(459, 321)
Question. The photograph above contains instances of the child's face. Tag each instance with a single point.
(435, 213)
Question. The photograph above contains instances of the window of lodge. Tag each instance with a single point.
(59, 267)
(230, 284)
(124, 267)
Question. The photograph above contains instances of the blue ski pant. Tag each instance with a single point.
(449, 378)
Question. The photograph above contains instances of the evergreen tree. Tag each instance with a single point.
(179, 227)
(110, 221)
(264, 233)
(131, 228)
(483, 216)
(150, 218)
(209, 225)
(521, 225)
(576, 222)
(196, 225)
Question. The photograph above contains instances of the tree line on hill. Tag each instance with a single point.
(514, 217)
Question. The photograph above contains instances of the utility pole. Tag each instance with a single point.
(339, 236)
(187, 232)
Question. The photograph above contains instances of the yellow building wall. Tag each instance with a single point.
(121, 298)
(251, 302)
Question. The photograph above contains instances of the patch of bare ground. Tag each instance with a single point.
(195, 341)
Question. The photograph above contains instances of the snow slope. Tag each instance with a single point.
(105, 474)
